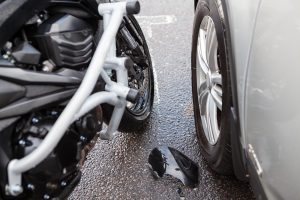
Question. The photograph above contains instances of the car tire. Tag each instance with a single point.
(216, 151)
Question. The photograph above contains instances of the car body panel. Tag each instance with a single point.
(242, 15)
(265, 41)
(272, 112)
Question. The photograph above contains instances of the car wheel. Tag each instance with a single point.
(211, 85)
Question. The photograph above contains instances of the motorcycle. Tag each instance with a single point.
(66, 66)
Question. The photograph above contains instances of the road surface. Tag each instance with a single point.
(118, 169)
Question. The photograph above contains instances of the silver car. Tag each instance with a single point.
(245, 77)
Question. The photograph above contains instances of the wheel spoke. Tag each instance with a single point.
(204, 113)
(218, 90)
(217, 98)
(202, 54)
(208, 33)
(203, 97)
(216, 78)
(202, 44)
(212, 47)
(202, 88)
(201, 77)
(213, 121)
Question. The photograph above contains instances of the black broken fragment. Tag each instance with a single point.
(169, 161)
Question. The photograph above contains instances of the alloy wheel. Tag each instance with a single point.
(209, 80)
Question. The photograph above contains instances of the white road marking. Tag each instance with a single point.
(156, 88)
(148, 21)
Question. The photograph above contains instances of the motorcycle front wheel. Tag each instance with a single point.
(141, 78)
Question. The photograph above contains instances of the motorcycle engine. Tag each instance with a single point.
(66, 40)
(56, 176)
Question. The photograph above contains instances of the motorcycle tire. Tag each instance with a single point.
(136, 115)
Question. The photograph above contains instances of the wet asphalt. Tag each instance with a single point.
(118, 169)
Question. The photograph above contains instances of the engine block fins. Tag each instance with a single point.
(66, 40)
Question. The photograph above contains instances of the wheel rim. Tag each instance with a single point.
(143, 85)
(142, 67)
(209, 80)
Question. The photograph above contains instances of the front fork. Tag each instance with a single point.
(117, 93)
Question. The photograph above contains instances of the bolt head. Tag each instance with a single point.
(82, 138)
(22, 143)
(63, 183)
(30, 187)
(35, 120)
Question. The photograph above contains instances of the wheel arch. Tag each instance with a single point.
(238, 153)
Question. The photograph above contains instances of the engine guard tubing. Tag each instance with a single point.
(112, 12)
